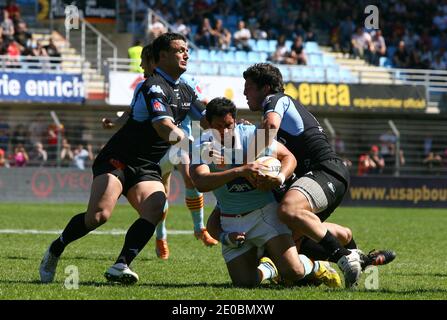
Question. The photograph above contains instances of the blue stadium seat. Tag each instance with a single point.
(285, 71)
(264, 56)
(319, 74)
(254, 57)
(228, 56)
(209, 68)
(311, 47)
(203, 55)
(193, 68)
(241, 56)
(272, 45)
(385, 62)
(263, 45)
(215, 56)
(315, 60)
(328, 60)
(346, 76)
(296, 73)
(193, 55)
(231, 70)
(289, 44)
(253, 44)
(308, 74)
(333, 75)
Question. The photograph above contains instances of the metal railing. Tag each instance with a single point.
(92, 44)
(32, 64)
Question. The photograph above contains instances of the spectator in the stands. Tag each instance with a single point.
(20, 135)
(81, 155)
(204, 37)
(378, 160)
(13, 50)
(365, 164)
(361, 44)
(38, 156)
(7, 26)
(415, 61)
(401, 58)
(156, 29)
(222, 37)
(347, 27)
(180, 27)
(433, 162)
(20, 157)
(13, 10)
(53, 131)
(53, 52)
(66, 155)
(134, 54)
(426, 56)
(241, 37)
(22, 35)
(297, 53)
(378, 47)
(3, 161)
(438, 63)
(281, 54)
(5, 133)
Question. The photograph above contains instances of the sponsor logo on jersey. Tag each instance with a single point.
(331, 186)
(156, 89)
(239, 185)
(157, 105)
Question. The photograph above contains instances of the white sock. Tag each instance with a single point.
(308, 264)
(267, 271)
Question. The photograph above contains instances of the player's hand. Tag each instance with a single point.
(244, 121)
(267, 183)
(232, 239)
(107, 123)
(251, 170)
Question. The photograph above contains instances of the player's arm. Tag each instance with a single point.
(213, 226)
(206, 181)
(168, 131)
(108, 123)
(271, 123)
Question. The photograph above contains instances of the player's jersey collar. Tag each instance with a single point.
(167, 77)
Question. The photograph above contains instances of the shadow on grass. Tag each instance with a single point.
(420, 274)
(404, 291)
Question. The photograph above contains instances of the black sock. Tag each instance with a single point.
(74, 230)
(351, 244)
(139, 233)
(333, 247)
(313, 250)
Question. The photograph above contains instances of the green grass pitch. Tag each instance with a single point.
(196, 272)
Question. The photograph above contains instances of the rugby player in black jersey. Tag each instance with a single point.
(128, 164)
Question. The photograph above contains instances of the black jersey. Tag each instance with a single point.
(158, 97)
(302, 134)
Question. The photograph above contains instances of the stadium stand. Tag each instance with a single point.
(90, 51)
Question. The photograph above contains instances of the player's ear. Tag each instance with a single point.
(266, 89)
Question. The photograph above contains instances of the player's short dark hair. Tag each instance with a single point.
(163, 43)
(265, 74)
(219, 107)
(148, 52)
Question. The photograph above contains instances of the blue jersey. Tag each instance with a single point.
(196, 111)
(239, 196)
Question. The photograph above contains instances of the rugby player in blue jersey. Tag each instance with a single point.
(249, 222)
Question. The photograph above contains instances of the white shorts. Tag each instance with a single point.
(259, 226)
(173, 157)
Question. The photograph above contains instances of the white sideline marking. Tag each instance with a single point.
(113, 232)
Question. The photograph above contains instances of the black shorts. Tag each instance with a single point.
(324, 189)
(128, 175)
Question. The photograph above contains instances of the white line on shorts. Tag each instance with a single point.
(113, 232)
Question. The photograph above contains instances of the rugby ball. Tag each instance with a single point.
(273, 166)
